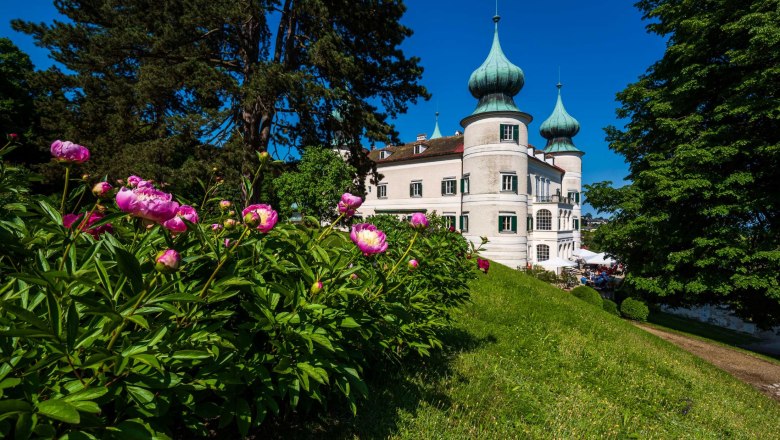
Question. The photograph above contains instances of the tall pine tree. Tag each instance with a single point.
(700, 221)
(149, 81)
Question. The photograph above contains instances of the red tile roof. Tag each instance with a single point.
(443, 146)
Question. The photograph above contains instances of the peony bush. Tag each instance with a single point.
(137, 315)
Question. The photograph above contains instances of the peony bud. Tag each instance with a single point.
(226, 242)
(224, 204)
(419, 220)
(167, 261)
(354, 276)
(13, 137)
(413, 264)
(264, 157)
(230, 223)
(452, 229)
(216, 226)
(102, 189)
(231, 213)
(316, 287)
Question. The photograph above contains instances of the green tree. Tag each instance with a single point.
(17, 110)
(152, 80)
(700, 222)
(316, 186)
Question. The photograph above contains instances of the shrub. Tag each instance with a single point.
(611, 307)
(634, 309)
(105, 332)
(587, 294)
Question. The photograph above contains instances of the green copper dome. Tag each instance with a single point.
(436, 133)
(496, 81)
(559, 128)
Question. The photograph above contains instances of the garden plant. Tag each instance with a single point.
(129, 313)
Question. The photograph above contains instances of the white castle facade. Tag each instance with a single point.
(488, 181)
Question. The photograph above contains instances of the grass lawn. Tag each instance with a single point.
(527, 360)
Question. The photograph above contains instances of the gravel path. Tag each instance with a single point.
(763, 375)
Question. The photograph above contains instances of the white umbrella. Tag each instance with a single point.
(601, 259)
(584, 253)
(555, 263)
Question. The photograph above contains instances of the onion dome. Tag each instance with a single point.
(496, 81)
(436, 133)
(559, 128)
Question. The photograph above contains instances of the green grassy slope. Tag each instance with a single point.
(531, 361)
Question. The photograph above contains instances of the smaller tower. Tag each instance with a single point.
(436, 131)
(559, 129)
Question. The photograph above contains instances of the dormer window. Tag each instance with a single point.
(384, 154)
(419, 148)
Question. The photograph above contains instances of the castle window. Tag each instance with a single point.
(449, 220)
(507, 223)
(419, 149)
(509, 133)
(464, 184)
(576, 224)
(542, 252)
(449, 186)
(509, 183)
(529, 223)
(464, 222)
(381, 191)
(415, 189)
(544, 220)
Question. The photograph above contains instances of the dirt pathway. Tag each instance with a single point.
(763, 375)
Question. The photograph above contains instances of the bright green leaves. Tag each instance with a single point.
(59, 410)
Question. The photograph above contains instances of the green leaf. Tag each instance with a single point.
(243, 416)
(349, 322)
(55, 313)
(13, 407)
(130, 267)
(53, 214)
(86, 394)
(191, 354)
(59, 410)
(86, 406)
(24, 426)
(142, 395)
(72, 325)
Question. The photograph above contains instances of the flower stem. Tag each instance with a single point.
(330, 227)
(222, 263)
(65, 190)
(132, 312)
(82, 225)
(403, 257)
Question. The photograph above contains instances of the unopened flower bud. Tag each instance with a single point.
(102, 189)
(231, 213)
(226, 242)
(354, 276)
(252, 219)
(216, 226)
(413, 264)
(224, 204)
(230, 223)
(167, 261)
(85, 177)
(316, 287)
(264, 157)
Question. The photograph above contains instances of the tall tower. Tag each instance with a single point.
(495, 160)
(559, 129)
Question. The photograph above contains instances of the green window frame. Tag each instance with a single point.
(464, 184)
(509, 183)
(415, 189)
(449, 187)
(507, 223)
(464, 223)
(576, 224)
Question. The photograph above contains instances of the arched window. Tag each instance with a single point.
(542, 252)
(544, 220)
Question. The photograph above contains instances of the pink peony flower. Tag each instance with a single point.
(316, 287)
(176, 224)
(483, 265)
(69, 219)
(167, 261)
(451, 228)
(147, 203)
(102, 189)
(419, 220)
(368, 238)
(224, 204)
(13, 137)
(68, 152)
(262, 216)
(349, 204)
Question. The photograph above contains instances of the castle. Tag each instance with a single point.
(488, 181)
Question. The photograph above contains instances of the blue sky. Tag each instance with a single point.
(599, 47)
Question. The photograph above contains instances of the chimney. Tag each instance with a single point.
(421, 137)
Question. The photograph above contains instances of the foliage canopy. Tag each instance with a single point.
(700, 222)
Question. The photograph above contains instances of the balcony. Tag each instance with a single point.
(555, 198)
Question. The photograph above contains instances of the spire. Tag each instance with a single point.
(559, 128)
(497, 80)
(436, 132)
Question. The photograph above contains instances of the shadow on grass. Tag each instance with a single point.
(395, 387)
